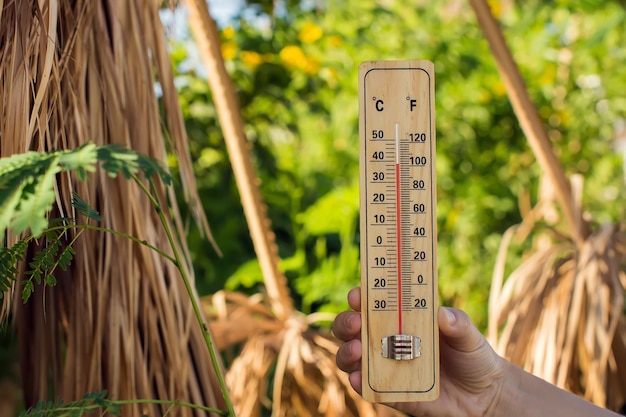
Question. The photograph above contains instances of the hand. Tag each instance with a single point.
(472, 374)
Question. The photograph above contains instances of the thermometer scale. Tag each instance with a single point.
(400, 336)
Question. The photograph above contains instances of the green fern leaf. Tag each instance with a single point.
(16, 174)
(50, 280)
(65, 258)
(82, 160)
(9, 257)
(27, 290)
(115, 160)
(150, 167)
(95, 395)
(26, 181)
(10, 201)
(56, 222)
(114, 409)
(40, 197)
(43, 260)
(17, 162)
(84, 208)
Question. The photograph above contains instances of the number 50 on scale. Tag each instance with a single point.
(398, 231)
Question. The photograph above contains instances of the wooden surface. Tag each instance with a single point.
(398, 228)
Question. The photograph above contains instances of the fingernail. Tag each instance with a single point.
(449, 315)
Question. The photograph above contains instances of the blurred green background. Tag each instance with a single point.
(295, 67)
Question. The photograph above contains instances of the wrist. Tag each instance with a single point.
(508, 392)
(525, 395)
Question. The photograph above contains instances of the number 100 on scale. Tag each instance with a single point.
(398, 231)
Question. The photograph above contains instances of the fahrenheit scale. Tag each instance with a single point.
(398, 231)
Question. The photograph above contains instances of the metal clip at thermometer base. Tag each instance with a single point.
(402, 347)
(400, 334)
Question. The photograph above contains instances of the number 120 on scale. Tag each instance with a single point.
(398, 231)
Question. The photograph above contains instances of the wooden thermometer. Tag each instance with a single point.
(398, 231)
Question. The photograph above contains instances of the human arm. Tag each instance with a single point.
(475, 381)
(526, 395)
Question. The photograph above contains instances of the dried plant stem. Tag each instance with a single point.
(529, 119)
(207, 38)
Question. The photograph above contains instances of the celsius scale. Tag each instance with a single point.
(400, 335)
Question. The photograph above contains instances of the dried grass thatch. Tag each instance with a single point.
(560, 314)
(287, 366)
(119, 319)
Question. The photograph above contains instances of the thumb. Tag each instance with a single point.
(458, 330)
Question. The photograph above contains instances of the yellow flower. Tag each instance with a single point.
(312, 66)
(251, 59)
(499, 88)
(229, 50)
(228, 32)
(496, 7)
(310, 33)
(294, 57)
(335, 41)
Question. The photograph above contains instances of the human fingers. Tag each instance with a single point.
(458, 330)
(349, 356)
(356, 380)
(347, 325)
(354, 298)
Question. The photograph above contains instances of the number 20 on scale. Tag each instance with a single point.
(398, 231)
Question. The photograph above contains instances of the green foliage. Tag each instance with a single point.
(9, 257)
(27, 180)
(84, 208)
(54, 253)
(27, 186)
(100, 404)
(95, 401)
(41, 265)
(330, 225)
(296, 73)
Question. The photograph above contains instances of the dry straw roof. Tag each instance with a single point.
(119, 319)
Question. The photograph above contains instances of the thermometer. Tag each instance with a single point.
(400, 336)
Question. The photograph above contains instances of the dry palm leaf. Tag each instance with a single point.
(119, 319)
(281, 350)
(287, 366)
(560, 314)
